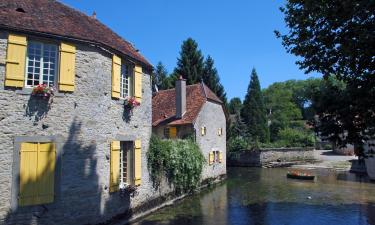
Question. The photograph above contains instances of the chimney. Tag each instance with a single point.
(93, 15)
(180, 97)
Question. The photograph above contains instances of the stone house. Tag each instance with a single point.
(193, 111)
(64, 158)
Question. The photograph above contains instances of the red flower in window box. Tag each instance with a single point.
(42, 90)
(131, 103)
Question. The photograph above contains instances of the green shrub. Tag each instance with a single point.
(237, 144)
(295, 138)
(180, 161)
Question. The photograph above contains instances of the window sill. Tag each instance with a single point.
(28, 91)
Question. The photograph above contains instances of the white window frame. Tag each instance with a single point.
(128, 180)
(129, 78)
(41, 68)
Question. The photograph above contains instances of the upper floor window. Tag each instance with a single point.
(125, 81)
(41, 64)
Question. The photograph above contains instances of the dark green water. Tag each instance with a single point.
(266, 196)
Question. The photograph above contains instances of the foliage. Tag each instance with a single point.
(235, 105)
(237, 127)
(211, 78)
(190, 63)
(237, 143)
(332, 37)
(131, 103)
(180, 161)
(335, 39)
(254, 111)
(281, 108)
(160, 78)
(296, 138)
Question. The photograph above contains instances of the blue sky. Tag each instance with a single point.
(238, 34)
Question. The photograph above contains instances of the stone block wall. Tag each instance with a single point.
(257, 158)
(85, 122)
(212, 117)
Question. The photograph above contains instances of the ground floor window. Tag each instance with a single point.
(37, 173)
(126, 163)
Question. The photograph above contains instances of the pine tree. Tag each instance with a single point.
(235, 105)
(160, 78)
(190, 62)
(254, 112)
(211, 78)
(237, 128)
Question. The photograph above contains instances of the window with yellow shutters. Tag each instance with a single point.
(37, 173)
(125, 164)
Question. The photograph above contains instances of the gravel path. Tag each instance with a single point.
(329, 160)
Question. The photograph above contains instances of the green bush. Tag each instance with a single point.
(237, 144)
(180, 161)
(295, 138)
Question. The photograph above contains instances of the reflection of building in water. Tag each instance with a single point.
(214, 206)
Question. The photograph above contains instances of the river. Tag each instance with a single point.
(266, 196)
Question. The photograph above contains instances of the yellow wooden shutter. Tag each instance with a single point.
(138, 83)
(46, 171)
(37, 173)
(211, 158)
(220, 157)
(114, 178)
(172, 132)
(67, 67)
(16, 61)
(116, 75)
(137, 162)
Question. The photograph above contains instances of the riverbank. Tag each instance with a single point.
(327, 159)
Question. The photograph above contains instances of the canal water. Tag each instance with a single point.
(266, 196)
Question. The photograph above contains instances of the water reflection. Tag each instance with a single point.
(266, 196)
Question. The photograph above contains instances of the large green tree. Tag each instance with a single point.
(190, 62)
(254, 112)
(211, 78)
(335, 38)
(281, 108)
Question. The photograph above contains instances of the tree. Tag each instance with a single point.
(335, 38)
(237, 128)
(160, 78)
(281, 108)
(211, 78)
(190, 63)
(254, 112)
(235, 105)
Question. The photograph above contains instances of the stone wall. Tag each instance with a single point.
(258, 158)
(212, 117)
(85, 122)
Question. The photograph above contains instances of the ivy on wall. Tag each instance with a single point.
(180, 161)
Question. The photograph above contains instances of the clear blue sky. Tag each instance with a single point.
(238, 34)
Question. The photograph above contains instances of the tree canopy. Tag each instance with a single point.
(235, 105)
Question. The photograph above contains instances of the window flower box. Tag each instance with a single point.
(43, 91)
(130, 103)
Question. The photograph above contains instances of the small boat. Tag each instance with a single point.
(300, 175)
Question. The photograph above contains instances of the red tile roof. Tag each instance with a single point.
(52, 18)
(164, 104)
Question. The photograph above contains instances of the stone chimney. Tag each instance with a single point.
(180, 97)
(93, 15)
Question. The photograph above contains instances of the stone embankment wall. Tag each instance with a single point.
(258, 158)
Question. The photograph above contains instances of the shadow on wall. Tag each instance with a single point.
(38, 107)
(77, 195)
